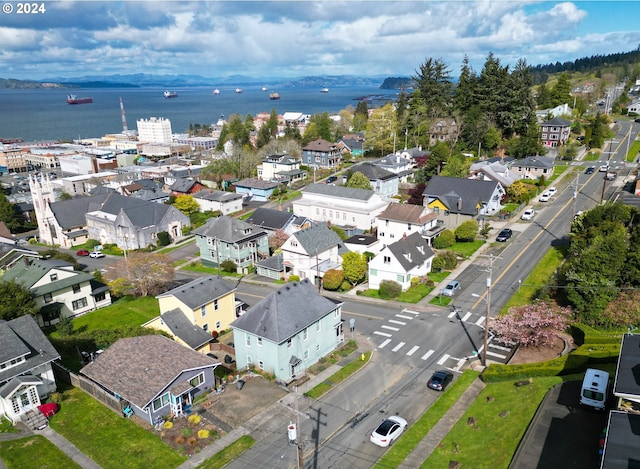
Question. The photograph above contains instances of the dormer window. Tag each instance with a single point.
(421, 249)
(387, 259)
(53, 277)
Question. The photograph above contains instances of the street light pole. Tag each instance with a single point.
(486, 323)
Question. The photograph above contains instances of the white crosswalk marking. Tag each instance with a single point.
(466, 316)
(398, 347)
(500, 347)
(443, 359)
(460, 364)
(384, 344)
(480, 321)
(497, 355)
(408, 311)
(393, 321)
(383, 334)
(451, 314)
(395, 329)
(402, 316)
(427, 355)
(413, 350)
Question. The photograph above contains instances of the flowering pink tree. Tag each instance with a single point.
(277, 239)
(531, 325)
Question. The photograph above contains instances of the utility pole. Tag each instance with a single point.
(489, 269)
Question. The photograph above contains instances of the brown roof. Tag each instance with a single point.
(407, 213)
(139, 368)
(320, 145)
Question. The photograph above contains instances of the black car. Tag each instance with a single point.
(637, 120)
(439, 380)
(331, 179)
(590, 170)
(504, 235)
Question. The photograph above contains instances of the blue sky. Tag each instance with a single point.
(299, 38)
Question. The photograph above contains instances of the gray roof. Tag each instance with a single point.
(543, 162)
(216, 196)
(373, 172)
(19, 337)
(460, 195)
(408, 213)
(361, 239)
(270, 218)
(140, 212)
(180, 326)
(183, 185)
(28, 273)
(70, 213)
(557, 122)
(200, 291)
(139, 368)
(150, 194)
(622, 448)
(627, 382)
(353, 144)
(411, 251)
(317, 237)
(339, 191)
(229, 230)
(10, 253)
(255, 183)
(284, 313)
(274, 263)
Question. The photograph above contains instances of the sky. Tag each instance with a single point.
(298, 38)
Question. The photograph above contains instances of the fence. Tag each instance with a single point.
(67, 376)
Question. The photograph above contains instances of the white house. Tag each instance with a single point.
(218, 201)
(341, 206)
(409, 257)
(400, 220)
(283, 168)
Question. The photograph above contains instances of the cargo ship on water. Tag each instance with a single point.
(73, 99)
(170, 94)
(274, 96)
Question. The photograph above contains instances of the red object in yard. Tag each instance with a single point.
(48, 410)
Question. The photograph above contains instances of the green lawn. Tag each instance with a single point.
(6, 426)
(34, 452)
(127, 311)
(228, 454)
(197, 266)
(110, 440)
(633, 151)
(339, 376)
(466, 249)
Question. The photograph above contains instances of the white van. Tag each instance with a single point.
(594, 388)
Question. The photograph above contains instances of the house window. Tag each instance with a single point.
(261, 365)
(289, 343)
(318, 326)
(387, 259)
(215, 305)
(436, 209)
(306, 354)
(53, 277)
(381, 234)
(160, 402)
(305, 334)
(218, 324)
(446, 213)
(203, 311)
(317, 347)
(294, 244)
(336, 313)
(408, 226)
(100, 297)
(81, 303)
(76, 288)
(386, 223)
(373, 272)
(47, 298)
(392, 235)
(259, 341)
(249, 360)
(248, 340)
(205, 327)
(197, 380)
(400, 278)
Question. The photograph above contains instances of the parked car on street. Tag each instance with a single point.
(96, 255)
(544, 197)
(451, 288)
(439, 380)
(604, 168)
(552, 191)
(82, 253)
(388, 431)
(590, 170)
(528, 214)
(504, 235)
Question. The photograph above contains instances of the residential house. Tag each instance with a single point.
(225, 238)
(58, 290)
(533, 167)
(555, 132)
(456, 200)
(321, 154)
(281, 168)
(273, 220)
(207, 303)
(443, 130)
(351, 146)
(400, 220)
(396, 164)
(256, 189)
(351, 209)
(5, 234)
(218, 201)
(11, 253)
(407, 258)
(26, 377)
(288, 331)
(634, 107)
(131, 223)
(494, 169)
(383, 182)
(363, 243)
(186, 186)
(152, 375)
(560, 110)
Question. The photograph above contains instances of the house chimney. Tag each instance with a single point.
(404, 236)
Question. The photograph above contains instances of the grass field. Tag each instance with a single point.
(231, 452)
(127, 311)
(34, 452)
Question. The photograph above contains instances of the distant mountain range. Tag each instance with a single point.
(176, 81)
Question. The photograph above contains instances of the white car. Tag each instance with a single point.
(552, 190)
(96, 254)
(544, 197)
(388, 431)
(604, 168)
(528, 214)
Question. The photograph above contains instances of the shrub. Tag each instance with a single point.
(446, 259)
(467, 231)
(294, 278)
(203, 434)
(163, 238)
(186, 431)
(194, 419)
(445, 240)
(332, 279)
(229, 266)
(389, 289)
(345, 286)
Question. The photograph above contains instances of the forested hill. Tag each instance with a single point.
(594, 63)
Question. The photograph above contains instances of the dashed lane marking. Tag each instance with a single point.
(427, 355)
(383, 334)
(398, 347)
(384, 344)
(413, 350)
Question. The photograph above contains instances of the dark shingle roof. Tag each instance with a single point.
(622, 449)
(22, 336)
(254, 183)
(543, 162)
(70, 213)
(200, 291)
(372, 172)
(29, 273)
(340, 192)
(183, 185)
(557, 122)
(460, 195)
(216, 196)
(411, 251)
(285, 312)
(274, 263)
(270, 218)
(228, 229)
(138, 368)
(180, 326)
(319, 237)
(407, 213)
(627, 382)
(140, 212)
